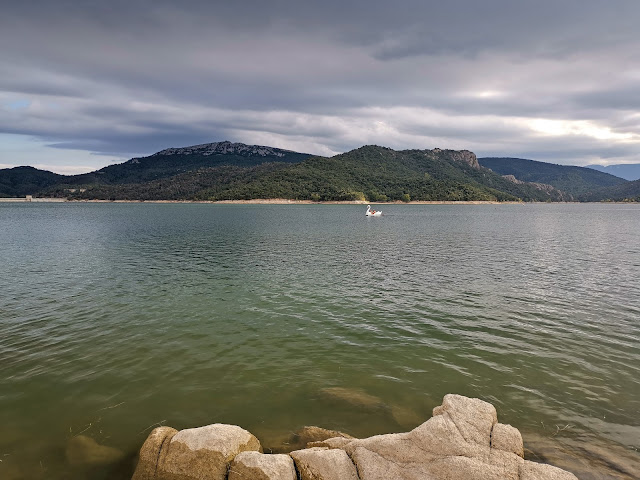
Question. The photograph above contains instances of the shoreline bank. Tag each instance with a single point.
(265, 201)
(284, 201)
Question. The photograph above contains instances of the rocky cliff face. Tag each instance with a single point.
(225, 148)
(462, 440)
(461, 156)
(543, 187)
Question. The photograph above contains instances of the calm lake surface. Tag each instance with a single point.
(115, 318)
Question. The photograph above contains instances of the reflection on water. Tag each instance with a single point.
(117, 318)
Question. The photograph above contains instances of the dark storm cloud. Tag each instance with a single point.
(137, 76)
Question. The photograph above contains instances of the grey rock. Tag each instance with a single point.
(335, 442)
(473, 418)
(324, 464)
(507, 438)
(463, 440)
(455, 443)
(464, 156)
(197, 453)
(258, 466)
(150, 452)
(539, 471)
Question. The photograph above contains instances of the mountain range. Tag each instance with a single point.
(628, 171)
(234, 171)
(575, 181)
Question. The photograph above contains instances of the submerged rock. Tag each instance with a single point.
(405, 417)
(83, 451)
(353, 397)
(587, 459)
(309, 435)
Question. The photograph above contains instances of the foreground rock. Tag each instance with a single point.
(197, 453)
(321, 463)
(258, 466)
(463, 440)
(455, 443)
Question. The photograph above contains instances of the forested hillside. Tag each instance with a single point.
(21, 181)
(368, 173)
(572, 180)
(233, 171)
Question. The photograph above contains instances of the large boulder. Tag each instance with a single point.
(319, 463)
(258, 466)
(463, 440)
(455, 443)
(197, 453)
(150, 452)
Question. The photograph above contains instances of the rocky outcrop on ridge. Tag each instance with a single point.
(463, 156)
(226, 147)
(543, 187)
(463, 440)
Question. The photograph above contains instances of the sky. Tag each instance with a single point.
(84, 84)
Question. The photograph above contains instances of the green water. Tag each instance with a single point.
(115, 318)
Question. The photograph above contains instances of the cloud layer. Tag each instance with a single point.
(549, 80)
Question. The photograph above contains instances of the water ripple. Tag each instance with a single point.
(193, 314)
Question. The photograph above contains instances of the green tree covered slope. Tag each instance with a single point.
(572, 180)
(368, 173)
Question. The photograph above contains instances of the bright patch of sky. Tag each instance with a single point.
(20, 150)
(18, 104)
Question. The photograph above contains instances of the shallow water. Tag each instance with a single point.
(115, 318)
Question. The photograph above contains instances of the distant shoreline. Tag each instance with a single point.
(266, 201)
(284, 201)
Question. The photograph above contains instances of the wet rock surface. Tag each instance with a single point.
(310, 435)
(586, 458)
(203, 453)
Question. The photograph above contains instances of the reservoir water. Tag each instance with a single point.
(115, 318)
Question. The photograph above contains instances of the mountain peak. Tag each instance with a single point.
(225, 147)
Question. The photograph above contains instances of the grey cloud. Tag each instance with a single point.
(139, 76)
(137, 145)
(621, 98)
